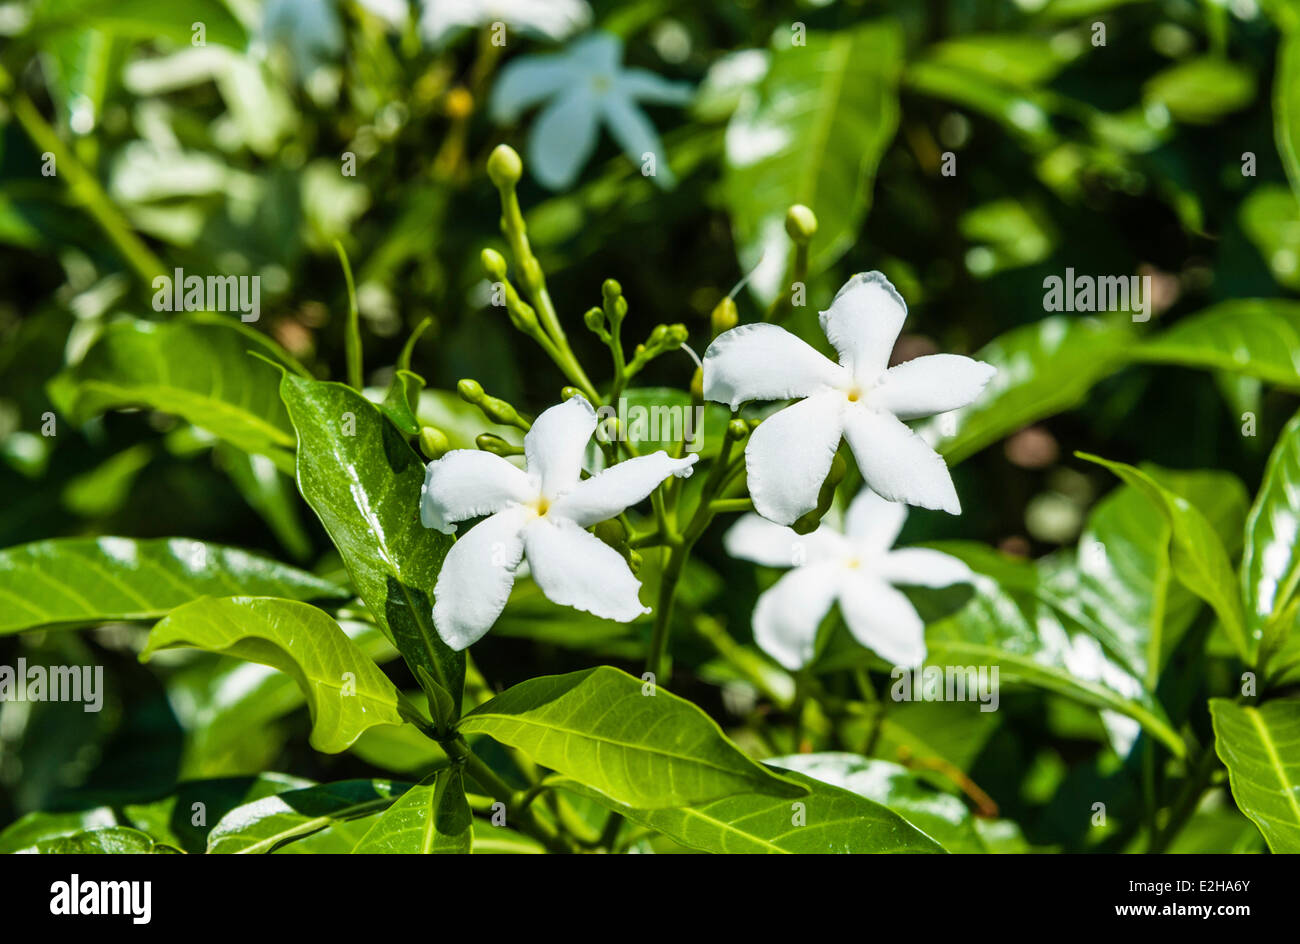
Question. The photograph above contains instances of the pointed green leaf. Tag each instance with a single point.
(941, 816)
(81, 581)
(112, 840)
(430, 818)
(402, 401)
(198, 368)
(363, 480)
(1270, 563)
(1260, 746)
(1200, 560)
(822, 119)
(267, 824)
(345, 690)
(1286, 99)
(1258, 337)
(635, 743)
(825, 820)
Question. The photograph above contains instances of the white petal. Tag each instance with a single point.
(599, 52)
(874, 522)
(765, 362)
(882, 619)
(476, 577)
(636, 135)
(759, 540)
(609, 492)
(526, 81)
(898, 463)
(577, 569)
(788, 614)
(557, 443)
(466, 483)
(646, 86)
(563, 138)
(788, 456)
(935, 383)
(923, 567)
(863, 323)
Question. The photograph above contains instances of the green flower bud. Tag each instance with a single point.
(612, 533)
(697, 384)
(634, 561)
(724, 316)
(568, 393)
(494, 264)
(504, 166)
(594, 319)
(825, 498)
(496, 445)
(433, 442)
(471, 391)
(800, 223)
(499, 411)
(737, 428)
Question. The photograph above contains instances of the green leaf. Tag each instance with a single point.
(1201, 90)
(602, 727)
(1013, 623)
(363, 480)
(430, 818)
(33, 829)
(142, 19)
(814, 133)
(270, 493)
(1258, 337)
(1017, 59)
(1043, 369)
(402, 401)
(80, 581)
(1125, 592)
(1286, 104)
(198, 368)
(113, 840)
(1270, 563)
(1200, 560)
(941, 816)
(345, 690)
(826, 820)
(171, 820)
(1260, 746)
(1270, 216)
(265, 825)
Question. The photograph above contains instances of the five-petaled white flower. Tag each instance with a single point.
(587, 85)
(856, 569)
(541, 514)
(552, 19)
(861, 399)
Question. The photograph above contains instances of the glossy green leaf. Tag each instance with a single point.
(142, 19)
(80, 581)
(430, 818)
(198, 368)
(1018, 59)
(1286, 102)
(941, 816)
(1270, 216)
(1261, 748)
(28, 832)
(112, 840)
(1201, 90)
(1043, 369)
(635, 743)
(265, 825)
(402, 401)
(826, 820)
(814, 134)
(270, 492)
(1200, 560)
(1258, 337)
(345, 690)
(1270, 563)
(363, 480)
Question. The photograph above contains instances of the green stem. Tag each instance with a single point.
(1189, 798)
(517, 810)
(86, 189)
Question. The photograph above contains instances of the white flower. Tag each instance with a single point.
(551, 19)
(540, 514)
(586, 85)
(790, 452)
(856, 569)
(310, 29)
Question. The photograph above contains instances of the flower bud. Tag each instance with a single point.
(634, 561)
(495, 445)
(568, 393)
(697, 384)
(494, 264)
(433, 442)
(504, 166)
(800, 223)
(471, 391)
(594, 319)
(612, 533)
(725, 316)
(737, 428)
(499, 411)
(459, 103)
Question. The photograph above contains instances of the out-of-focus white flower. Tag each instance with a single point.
(309, 29)
(551, 19)
(541, 514)
(587, 86)
(856, 568)
(861, 399)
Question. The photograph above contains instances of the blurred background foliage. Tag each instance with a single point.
(1156, 152)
